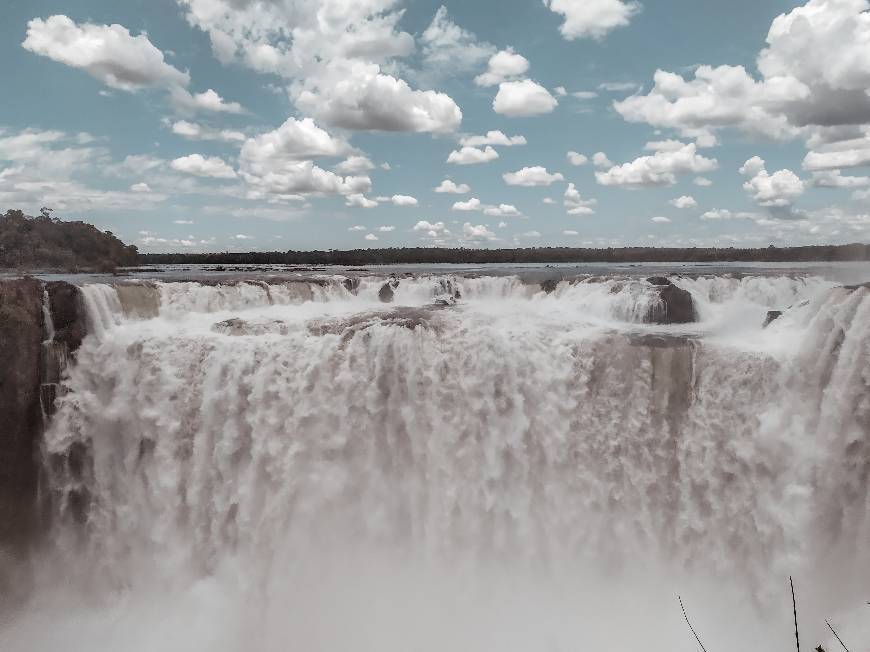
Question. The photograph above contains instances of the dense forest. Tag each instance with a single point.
(44, 242)
(429, 255)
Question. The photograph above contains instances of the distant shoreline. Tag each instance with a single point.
(430, 255)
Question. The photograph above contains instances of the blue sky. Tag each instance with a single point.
(295, 124)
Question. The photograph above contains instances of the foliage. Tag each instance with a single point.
(44, 242)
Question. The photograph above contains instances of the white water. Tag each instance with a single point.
(518, 471)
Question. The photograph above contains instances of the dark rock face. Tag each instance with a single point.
(659, 280)
(676, 306)
(386, 294)
(772, 316)
(21, 335)
(68, 314)
(549, 286)
(351, 284)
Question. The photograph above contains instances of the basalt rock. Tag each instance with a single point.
(351, 284)
(772, 316)
(68, 314)
(675, 306)
(386, 293)
(659, 280)
(22, 331)
(549, 286)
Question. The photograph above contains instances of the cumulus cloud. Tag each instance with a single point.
(295, 140)
(432, 230)
(140, 187)
(685, 201)
(570, 232)
(116, 58)
(354, 165)
(194, 131)
(493, 138)
(502, 210)
(659, 169)
(532, 176)
(403, 200)
(503, 66)
(357, 95)
(835, 179)
(357, 228)
(703, 182)
(814, 74)
(592, 18)
(575, 204)
(532, 234)
(472, 204)
(386, 229)
(600, 160)
(447, 47)
(472, 156)
(479, 232)
(358, 200)
(449, 187)
(779, 189)
(204, 166)
(849, 153)
(523, 99)
(109, 53)
(371, 237)
(660, 219)
(577, 159)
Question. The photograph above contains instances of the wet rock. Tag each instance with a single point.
(659, 280)
(351, 284)
(676, 306)
(772, 316)
(234, 326)
(21, 334)
(67, 314)
(386, 294)
(549, 286)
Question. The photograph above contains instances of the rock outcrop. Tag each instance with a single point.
(772, 316)
(675, 305)
(22, 329)
(30, 368)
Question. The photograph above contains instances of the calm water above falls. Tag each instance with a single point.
(478, 465)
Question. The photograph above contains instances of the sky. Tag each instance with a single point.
(237, 125)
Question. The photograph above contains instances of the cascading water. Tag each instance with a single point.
(478, 465)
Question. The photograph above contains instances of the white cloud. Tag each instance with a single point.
(522, 99)
(204, 166)
(577, 159)
(532, 176)
(570, 232)
(357, 95)
(779, 189)
(371, 237)
(386, 229)
(548, 200)
(575, 204)
(207, 101)
(479, 232)
(592, 18)
(354, 165)
(450, 187)
(502, 210)
(724, 214)
(194, 131)
(472, 204)
(295, 140)
(685, 201)
(703, 182)
(358, 200)
(357, 228)
(503, 66)
(835, 179)
(109, 53)
(532, 234)
(814, 74)
(183, 222)
(242, 236)
(561, 91)
(493, 138)
(840, 154)
(447, 47)
(600, 160)
(432, 230)
(140, 187)
(472, 156)
(618, 87)
(403, 200)
(660, 219)
(659, 169)
(585, 95)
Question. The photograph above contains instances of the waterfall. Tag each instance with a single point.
(479, 464)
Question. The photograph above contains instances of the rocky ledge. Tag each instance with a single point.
(33, 351)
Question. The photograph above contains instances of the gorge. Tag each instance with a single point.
(466, 461)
